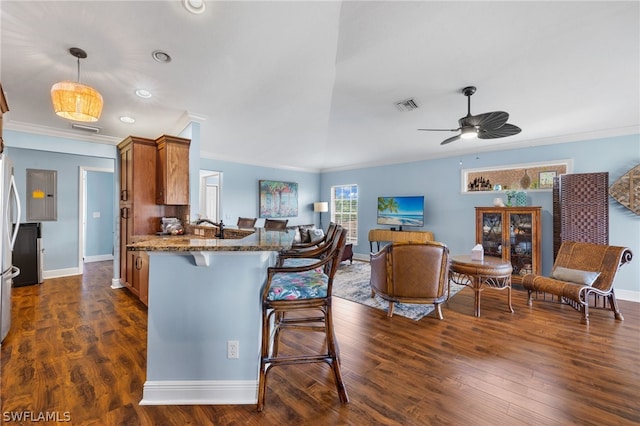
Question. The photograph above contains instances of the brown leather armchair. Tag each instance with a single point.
(411, 273)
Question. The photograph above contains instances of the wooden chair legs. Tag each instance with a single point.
(273, 324)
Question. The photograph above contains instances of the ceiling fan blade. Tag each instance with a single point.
(502, 132)
(449, 140)
(440, 130)
(488, 120)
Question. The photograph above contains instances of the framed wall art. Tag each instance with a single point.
(546, 179)
(278, 199)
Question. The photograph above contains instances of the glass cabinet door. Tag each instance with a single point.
(492, 237)
(512, 234)
(521, 242)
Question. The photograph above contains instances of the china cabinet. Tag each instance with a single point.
(513, 234)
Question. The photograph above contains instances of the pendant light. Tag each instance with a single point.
(75, 101)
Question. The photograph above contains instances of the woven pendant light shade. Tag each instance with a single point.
(75, 101)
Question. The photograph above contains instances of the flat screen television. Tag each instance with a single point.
(401, 211)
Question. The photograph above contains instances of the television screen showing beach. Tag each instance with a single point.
(402, 211)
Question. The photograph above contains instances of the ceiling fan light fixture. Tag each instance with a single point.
(469, 132)
(75, 101)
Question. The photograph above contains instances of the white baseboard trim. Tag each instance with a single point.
(116, 283)
(56, 273)
(98, 258)
(361, 257)
(199, 392)
(632, 296)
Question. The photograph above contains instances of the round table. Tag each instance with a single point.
(491, 272)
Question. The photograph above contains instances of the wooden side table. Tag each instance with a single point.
(378, 235)
(347, 254)
(491, 272)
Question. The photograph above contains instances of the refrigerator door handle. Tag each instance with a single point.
(14, 189)
(15, 271)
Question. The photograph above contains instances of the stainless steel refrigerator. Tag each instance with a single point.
(10, 208)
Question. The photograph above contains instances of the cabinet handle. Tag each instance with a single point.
(138, 263)
(124, 195)
(124, 212)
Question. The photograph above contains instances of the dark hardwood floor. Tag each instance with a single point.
(76, 350)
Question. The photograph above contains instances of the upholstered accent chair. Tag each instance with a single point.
(247, 222)
(411, 273)
(304, 291)
(583, 273)
(275, 224)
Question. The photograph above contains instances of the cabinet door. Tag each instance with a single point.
(521, 242)
(130, 273)
(141, 276)
(126, 173)
(125, 235)
(525, 249)
(172, 171)
(491, 234)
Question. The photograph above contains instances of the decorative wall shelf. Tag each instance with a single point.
(519, 177)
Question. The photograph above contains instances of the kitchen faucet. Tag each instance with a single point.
(219, 225)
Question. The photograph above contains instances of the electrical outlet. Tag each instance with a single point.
(233, 349)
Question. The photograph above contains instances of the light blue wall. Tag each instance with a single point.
(450, 215)
(239, 192)
(99, 235)
(30, 151)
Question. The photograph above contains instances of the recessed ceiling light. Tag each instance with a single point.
(127, 119)
(160, 56)
(194, 6)
(143, 93)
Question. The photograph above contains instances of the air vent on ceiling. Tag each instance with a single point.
(407, 105)
(85, 128)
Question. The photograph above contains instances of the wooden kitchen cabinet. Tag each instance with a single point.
(172, 187)
(513, 234)
(139, 213)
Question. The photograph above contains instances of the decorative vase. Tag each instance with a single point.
(525, 180)
(521, 198)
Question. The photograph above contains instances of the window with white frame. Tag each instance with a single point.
(344, 209)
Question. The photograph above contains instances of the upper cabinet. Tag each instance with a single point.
(172, 170)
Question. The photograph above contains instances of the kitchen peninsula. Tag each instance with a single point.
(203, 294)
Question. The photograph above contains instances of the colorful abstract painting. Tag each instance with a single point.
(278, 199)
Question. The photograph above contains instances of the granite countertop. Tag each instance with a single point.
(260, 240)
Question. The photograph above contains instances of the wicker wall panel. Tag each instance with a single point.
(582, 208)
(557, 222)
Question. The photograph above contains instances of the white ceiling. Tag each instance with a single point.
(313, 85)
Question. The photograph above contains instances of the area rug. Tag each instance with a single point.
(352, 283)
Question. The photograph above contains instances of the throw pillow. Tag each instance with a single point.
(315, 234)
(574, 275)
(304, 233)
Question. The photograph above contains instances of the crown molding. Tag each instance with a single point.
(19, 126)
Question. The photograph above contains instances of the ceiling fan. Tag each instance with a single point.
(490, 125)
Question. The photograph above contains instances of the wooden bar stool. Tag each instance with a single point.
(302, 290)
